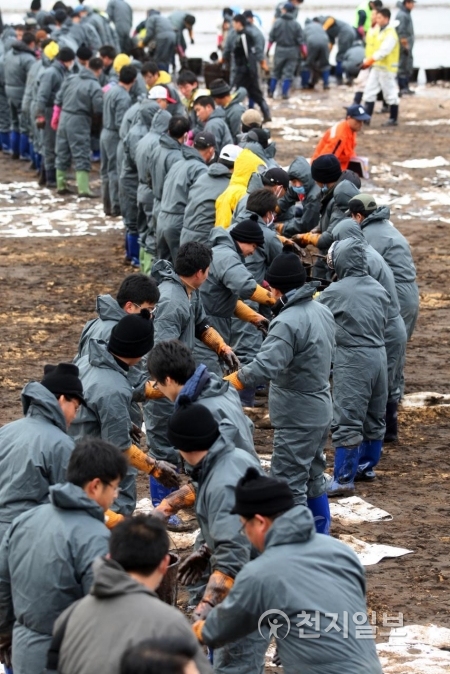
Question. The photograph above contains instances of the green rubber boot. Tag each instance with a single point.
(83, 184)
(61, 181)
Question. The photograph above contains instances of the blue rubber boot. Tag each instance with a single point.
(326, 79)
(8, 670)
(247, 396)
(305, 75)
(133, 249)
(14, 141)
(6, 145)
(320, 509)
(95, 156)
(285, 86)
(251, 103)
(345, 467)
(369, 456)
(338, 72)
(157, 494)
(24, 147)
(272, 86)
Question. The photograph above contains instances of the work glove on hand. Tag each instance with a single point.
(112, 519)
(5, 650)
(162, 471)
(360, 30)
(304, 240)
(279, 227)
(289, 246)
(135, 434)
(219, 585)
(234, 379)
(177, 500)
(229, 358)
(55, 117)
(193, 567)
(262, 296)
(262, 324)
(40, 122)
(197, 628)
(304, 50)
(152, 393)
(264, 66)
(367, 63)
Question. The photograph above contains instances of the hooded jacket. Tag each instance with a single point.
(116, 102)
(390, 243)
(228, 279)
(109, 314)
(45, 565)
(80, 95)
(49, 85)
(262, 258)
(119, 612)
(246, 164)
(359, 304)
(216, 477)
(180, 179)
(108, 395)
(178, 315)
(405, 25)
(217, 125)
(296, 358)
(142, 124)
(200, 213)
(288, 35)
(301, 170)
(18, 61)
(233, 113)
(320, 577)
(34, 454)
(143, 153)
(121, 15)
(163, 156)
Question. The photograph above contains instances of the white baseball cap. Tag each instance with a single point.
(160, 92)
(230, 152)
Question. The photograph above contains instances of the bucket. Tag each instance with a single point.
(415, 74)
(195, 65)
(214, 71)
(168, 590)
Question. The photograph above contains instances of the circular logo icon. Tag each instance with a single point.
(278, 622)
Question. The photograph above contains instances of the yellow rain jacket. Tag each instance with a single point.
(246, 164)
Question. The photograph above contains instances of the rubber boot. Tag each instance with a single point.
(42, 179)
(95, 156)
(286, 85)
(133, 249)
(393, 116)
(345, 467)
(320, 509)
(82, 178)
(14, 140)
(267, 117)
(272, 86)
(247, 396)
(368, 107)
(8, 670)
(338, 73)
(358, 97)
(391, 434)
(251, 103)
(38, 161)
(157, 494)
(326, 79)
(5, 140)
(369, 456)
(304, 78)
(61, 182)
(51, 178)
(106, 200)
(24, 147)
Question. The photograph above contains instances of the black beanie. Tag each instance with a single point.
(192, 428)
(66, 54)
(35, 5)
(260, 136)
(286, 272)
(219, 88)
(326, 169)
(258, 494)
(132, 337)
(84, 53)
(248, 231)
(63, 380)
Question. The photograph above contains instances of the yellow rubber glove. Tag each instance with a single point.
(263, 296)
(214, 341)
(219, 585)
(152, 393)
(177, 500)
(161, 470)
(197, 628)
(112, 519)
(279, 227)
(304, 240)
(245, 313)
(234, 379)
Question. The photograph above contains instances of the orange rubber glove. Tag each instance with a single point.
(304, 240)
(182, 498)
(152, 393)
(264, 66)
(279, 227)
(245, 313)
(263, 296)
(162, 471)
(234, 379)
(197, 628)
(112, 519)
(367, 63)
(219, 585)
(214, 341)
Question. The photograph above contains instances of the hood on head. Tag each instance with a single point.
(246, 164)
(294, 526)
(147, 111)
(349, 258)
(301, 170)
(108, 309)
(347, 228)
(45, 402)
(160, 122)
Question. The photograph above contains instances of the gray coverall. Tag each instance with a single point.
(116, 102)
(216, 477)
(200, 213)
(80, 98)
(309, 218)
(287, 33)
(308, 587)
(233, 113)
(160, 30)
(5, 116)
(317, 42)
(217, 125)
(395, 250)
(405, 30)
(296, 358)
(46, 565)
(343, 32)
(34, 454)
(49, 84)
(17, 62)
(121, 15)
(175, 198)
(106, 30)
(360, 306)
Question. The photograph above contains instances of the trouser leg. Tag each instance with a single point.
(245, 656)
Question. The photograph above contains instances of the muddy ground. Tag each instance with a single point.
(49, 283)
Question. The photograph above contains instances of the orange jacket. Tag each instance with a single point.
(340, 140)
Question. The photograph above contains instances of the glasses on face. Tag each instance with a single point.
(150, 311)
(242, 531)
(155, 385)
(117, 490)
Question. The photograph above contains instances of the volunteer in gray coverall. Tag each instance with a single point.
(325, 600)
(296, 358)
(216, 466)
(360, 306)
(287, 34)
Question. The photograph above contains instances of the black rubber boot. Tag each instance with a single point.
(391, 434)
(265, 111)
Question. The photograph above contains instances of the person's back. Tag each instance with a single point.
(18, 60)
(80, 95)
(123, 608)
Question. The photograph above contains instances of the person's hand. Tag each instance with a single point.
(135, 434)
(264, 66)
(367, 63)
(5, 650)
(361, 32)
(235, 381)
(193, 567)
(261, 323)
(165, 473)
(229, 358)
(303, 240)
(40, 122)
(202, 610)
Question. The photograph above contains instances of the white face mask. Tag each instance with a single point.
(270, 222)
